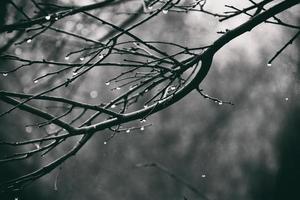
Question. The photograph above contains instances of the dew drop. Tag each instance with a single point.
(286, 98)
(56, 18)
(48, 17)
(128, 131)
(107, 83)
(220, 103)
(81, 58)
(29, 40)
(101, 56)
(269, 64)
(203, 175)
(5, 74)
(143, 120)
(142, 128)
(165, 11)
(145, 106)
(113, 106)
(67, 58)
(104, 142)
(36, 81)
(74, 73)
(118, 88)
(150, 7)
(146, 90)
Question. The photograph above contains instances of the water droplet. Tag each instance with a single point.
(128, 131)
(56, 18)
(16, 198)
(113, 106)
(101, 56)
(146, 90)
(269, 64)
(203, 175)
(28, 129)
(220, 103)
(143, 120)
(75, 73)
(81, 58)
(165, 11)
(29, 40)
(118, 88)
(67, 58)
(94, 94)
(107, 83)
(142, 128)
(286, 98)
(5, 74)
(150, 7)
(37, 145)
(36, 81)
(145, 106)
(48, 17)
(104, 142)
(172, 88)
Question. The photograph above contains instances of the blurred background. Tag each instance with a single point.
(248, 151)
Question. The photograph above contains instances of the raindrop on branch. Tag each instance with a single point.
(128, 131)
(113, 106)
(165, 11)
(29, 40)
(104, 142)
(5, 74)
(81, 58)
(286, 98)
(143, 120)
(220, 103)
(37, 145)
(142, 128)
(48, 17)
(107, 83)
(150, 7)
(67, 58)
(36, 81)
(269, 64)
(101, 56)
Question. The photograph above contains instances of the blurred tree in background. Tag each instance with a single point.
(82, 80)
